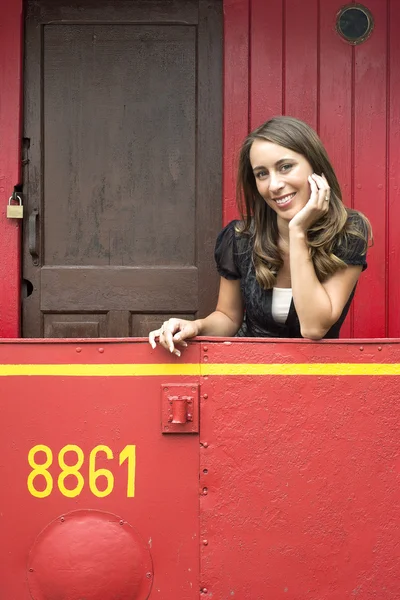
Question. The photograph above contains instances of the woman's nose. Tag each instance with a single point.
(275, 183)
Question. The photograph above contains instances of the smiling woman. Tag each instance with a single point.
(290, 266)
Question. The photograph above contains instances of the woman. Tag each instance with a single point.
(290, 267)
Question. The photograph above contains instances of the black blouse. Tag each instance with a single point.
(233, 255)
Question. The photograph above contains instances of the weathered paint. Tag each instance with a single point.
(10, 144)
(290, 490)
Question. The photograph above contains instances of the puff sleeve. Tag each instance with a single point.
(353, 250)
(226, 253)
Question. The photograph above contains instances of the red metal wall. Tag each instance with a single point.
(289, 491)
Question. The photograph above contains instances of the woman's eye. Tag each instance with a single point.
(261, 174)
(285, 168)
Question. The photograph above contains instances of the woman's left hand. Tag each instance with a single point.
(316, 207)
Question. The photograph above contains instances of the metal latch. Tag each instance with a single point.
(180, 408)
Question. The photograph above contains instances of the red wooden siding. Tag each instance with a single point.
(10, 136)
(280, 57)
(298, 65)
(393, 183)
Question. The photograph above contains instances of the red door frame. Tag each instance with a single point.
(10, 143)
(236, 43)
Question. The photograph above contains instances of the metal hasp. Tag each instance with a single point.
(180, 408)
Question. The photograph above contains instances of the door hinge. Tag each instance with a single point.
(180, 408)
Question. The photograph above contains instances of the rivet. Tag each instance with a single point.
(170, 419)
(189, 417)
(148, 575)
(101, 350)
(205, 471)
(79, 350)
(166, 428)
(31, 570)
(361, 348)
(62, 519)
(205, 542)
(205, 348)
(204, 444)
(379, 348)
(205, 396)
(121, 522)
(165, 389)
(206, 359)
(205, 491)
(205, 591)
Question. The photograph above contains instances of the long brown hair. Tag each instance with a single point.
(260, 221)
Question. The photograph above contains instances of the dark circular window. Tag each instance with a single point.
(354, 23)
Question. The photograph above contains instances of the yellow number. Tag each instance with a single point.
(40, 470)
(95, 473)
(70, 470)
(129, 453)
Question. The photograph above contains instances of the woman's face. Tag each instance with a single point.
(281, 177)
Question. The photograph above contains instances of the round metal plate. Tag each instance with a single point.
(90, 555)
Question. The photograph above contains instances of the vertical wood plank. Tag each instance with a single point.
(370, 162)
(266, 67)
(236, 95)
(10, 136)
(393, 244)
(301, 60)
(335, 84)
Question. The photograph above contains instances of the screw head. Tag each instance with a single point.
(205, 542)
(205, 396)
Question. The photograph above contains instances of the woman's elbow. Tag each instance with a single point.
(313, 334)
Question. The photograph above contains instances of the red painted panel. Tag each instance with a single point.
(160, 520)
(266, 61)
(370, 169)
(335, 113)
(301, 76)
(393, 245)
(10, 136)
(236, 104)
(300, 476)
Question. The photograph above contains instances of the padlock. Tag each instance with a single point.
(15, 211)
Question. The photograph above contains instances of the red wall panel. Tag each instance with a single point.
(370, 169)
(236, 96)
(10, 143)
(393, 181)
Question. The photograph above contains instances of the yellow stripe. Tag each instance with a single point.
(195, 370)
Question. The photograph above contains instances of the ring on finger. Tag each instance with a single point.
(327, 197)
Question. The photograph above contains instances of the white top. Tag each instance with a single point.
(281, 300)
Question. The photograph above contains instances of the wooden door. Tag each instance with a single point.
(122, 154)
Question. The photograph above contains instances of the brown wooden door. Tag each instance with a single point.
(122, 154)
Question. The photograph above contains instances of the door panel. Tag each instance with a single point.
(123, 122)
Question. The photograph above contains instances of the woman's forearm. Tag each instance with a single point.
(217, 324)
(312, 302)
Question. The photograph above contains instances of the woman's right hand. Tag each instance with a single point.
(174, 332)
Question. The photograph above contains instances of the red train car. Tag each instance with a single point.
(248, 469)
